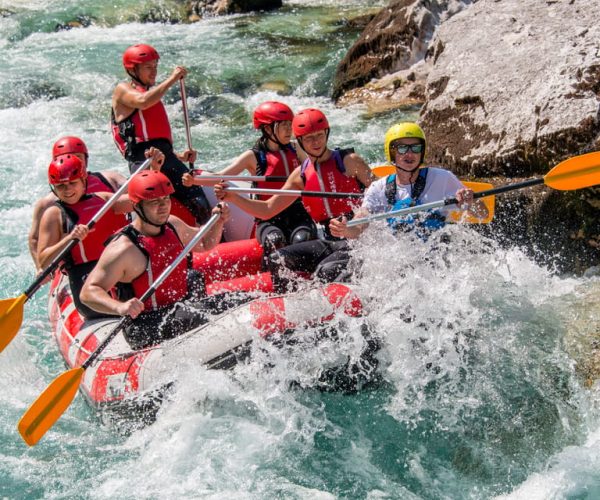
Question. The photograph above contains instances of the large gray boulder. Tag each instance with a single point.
(514, 86)
(507, 89)
(388, 65)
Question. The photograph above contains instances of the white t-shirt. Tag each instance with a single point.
(440, 184)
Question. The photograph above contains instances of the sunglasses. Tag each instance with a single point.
(403, 148)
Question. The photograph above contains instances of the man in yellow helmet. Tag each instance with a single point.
(412, 184)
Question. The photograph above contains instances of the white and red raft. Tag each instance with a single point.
(131, 384)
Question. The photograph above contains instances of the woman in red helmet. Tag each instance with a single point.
(108, 182)
(324, 170)
(66, 220)
(273, 155)
(139, 254)
(139, 120)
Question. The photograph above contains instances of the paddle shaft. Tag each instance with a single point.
(127, 320)
(215, 178)
(445, 202)
(186, 118)
(291, 192)
(65, 251)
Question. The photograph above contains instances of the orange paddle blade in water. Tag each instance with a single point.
(11, 317)
(49, 406)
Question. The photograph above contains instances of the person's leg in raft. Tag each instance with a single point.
(193, 197)
(337, 266)
(301, 257)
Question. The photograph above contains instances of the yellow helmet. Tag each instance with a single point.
(402, 131)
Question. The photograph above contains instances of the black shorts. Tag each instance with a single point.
(153, 327)
(328, 259)
(288, 222)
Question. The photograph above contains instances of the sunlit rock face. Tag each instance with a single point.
(507, 89)
(222, 7)
(514, 86)
(388, 65)
(514, 89)
(507, 86)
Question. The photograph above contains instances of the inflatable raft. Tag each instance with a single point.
(125, 383)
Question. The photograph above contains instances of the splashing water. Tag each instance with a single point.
(485, 357)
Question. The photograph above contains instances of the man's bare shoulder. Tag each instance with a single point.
(119, 246)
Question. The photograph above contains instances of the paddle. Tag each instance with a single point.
(214, 178)
(574, 173)
(292, 192)
(186, 119)
(51, 404)
(455, 215)
(11, 310)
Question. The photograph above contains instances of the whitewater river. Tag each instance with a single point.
(485, 354)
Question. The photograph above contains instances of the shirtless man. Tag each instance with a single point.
(139, 254)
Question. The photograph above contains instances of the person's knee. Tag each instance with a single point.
(334, 270)
(302, 233)
(272, 240)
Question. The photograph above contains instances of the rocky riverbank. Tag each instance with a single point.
(506, 89)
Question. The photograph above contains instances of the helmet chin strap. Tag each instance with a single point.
(140, 211)
(136, 79)
(273, 137)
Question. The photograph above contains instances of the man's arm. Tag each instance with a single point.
(246, 161)
(357, 167)
(340, 229)
(52, 240)
(115, 179)
(120, 262)
(124, 95)
(475, 208)
(211, 239)
(122, 204)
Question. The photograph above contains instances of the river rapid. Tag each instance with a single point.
(487, 362)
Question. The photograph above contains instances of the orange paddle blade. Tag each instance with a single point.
(49, 406)
(383, 170)
(11, 317)
(575, 173)
(489, 201)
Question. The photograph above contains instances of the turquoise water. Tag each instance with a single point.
(480, 397)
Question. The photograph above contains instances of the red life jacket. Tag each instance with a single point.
(141, 126)
(90, 249)
(161, 251)
(97, 183)
(279, 163)
(328, 176)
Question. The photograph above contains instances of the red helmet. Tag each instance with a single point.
(149, 185)
(66, 168)
(308, 121)
(69, 145)
(138, 54)
(270, 112)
